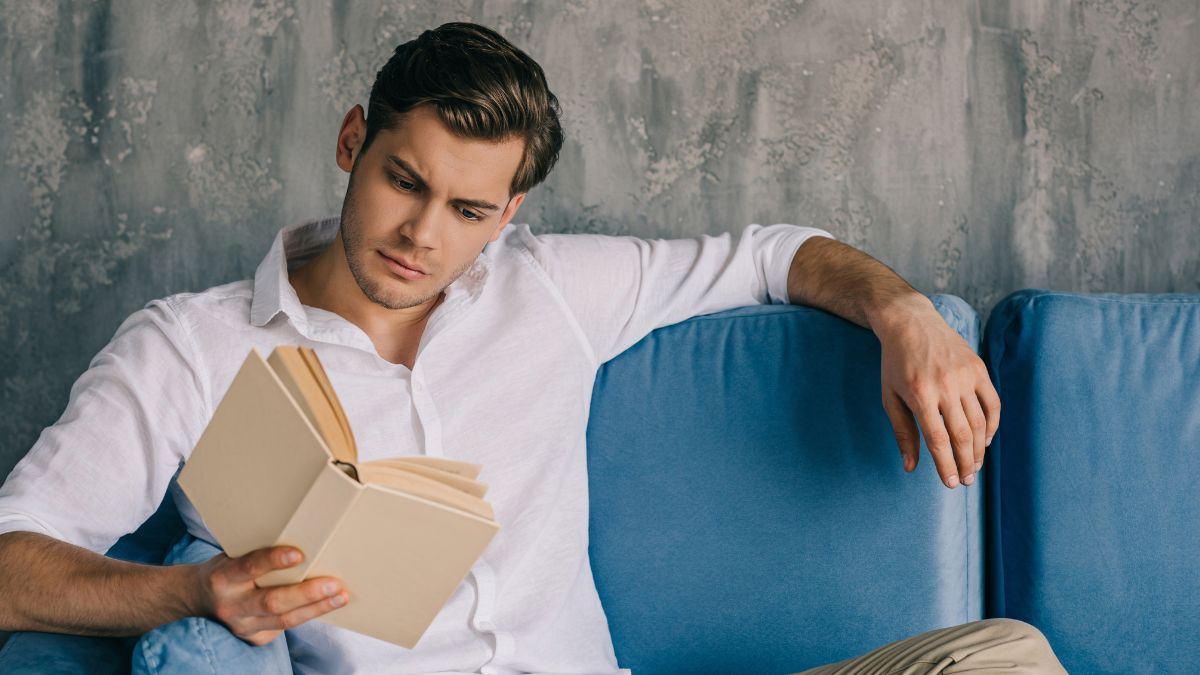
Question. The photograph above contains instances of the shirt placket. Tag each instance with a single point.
(426, 411)
(482, 576)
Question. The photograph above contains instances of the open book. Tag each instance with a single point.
(277, 464)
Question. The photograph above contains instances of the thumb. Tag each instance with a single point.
(905, 428)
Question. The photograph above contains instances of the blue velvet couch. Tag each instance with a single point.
(749, 512)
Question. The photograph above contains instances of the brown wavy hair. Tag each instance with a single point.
(481, 86)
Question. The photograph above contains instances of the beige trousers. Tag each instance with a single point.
(977, 647)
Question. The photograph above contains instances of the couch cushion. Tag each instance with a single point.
(1094, 523)
(749, 509)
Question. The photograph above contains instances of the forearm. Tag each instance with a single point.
(838, 278)
(52, 586)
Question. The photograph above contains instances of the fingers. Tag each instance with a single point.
(258, 562)
(937, 438)
(282, 607)
(280, 600)
(978, 423)
(989, 400)
(285, 607)
(935, 375)
(962, 438)
(905, 429)
(257, 614)
(311, 611)
(248, 626)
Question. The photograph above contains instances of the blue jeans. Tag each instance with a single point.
(200, 645)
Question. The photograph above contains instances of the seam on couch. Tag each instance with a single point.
(1000, 325)
(967, 552)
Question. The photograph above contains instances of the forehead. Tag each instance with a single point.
(447, 161)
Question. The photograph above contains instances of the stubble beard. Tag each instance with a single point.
(377, 291)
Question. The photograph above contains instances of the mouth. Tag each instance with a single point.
(403, 270)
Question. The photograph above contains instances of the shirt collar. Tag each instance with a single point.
(295, 244)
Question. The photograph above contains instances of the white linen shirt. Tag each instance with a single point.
(503, 377)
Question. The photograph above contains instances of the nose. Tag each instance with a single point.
(423, 227)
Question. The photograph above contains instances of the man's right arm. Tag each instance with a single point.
(98, 473)
(56, 587)
(52, 586)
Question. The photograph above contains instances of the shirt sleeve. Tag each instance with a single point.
(131, 419)
(619, 288)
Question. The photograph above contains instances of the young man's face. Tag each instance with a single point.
(423, 197)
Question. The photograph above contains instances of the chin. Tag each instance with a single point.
(403, 293)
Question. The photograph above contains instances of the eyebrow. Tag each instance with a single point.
(474, 203)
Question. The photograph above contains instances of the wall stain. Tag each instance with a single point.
(1132, 27)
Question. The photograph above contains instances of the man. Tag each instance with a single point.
(438, 346)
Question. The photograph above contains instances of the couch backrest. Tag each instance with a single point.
(1094, 519)
(749, 508)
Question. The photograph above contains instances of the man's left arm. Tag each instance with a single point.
(928, 369)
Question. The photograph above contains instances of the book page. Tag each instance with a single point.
(295, 374)
(472, 487)
(423, 487)
(318, 371)
(454, 466)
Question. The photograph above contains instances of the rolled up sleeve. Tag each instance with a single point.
(131, 419)
(619, 288)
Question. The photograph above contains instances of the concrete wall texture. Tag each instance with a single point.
(975, 146)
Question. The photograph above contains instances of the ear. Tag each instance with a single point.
(507, 216)
(350, 137)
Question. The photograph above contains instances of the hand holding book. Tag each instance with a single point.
(228, 592)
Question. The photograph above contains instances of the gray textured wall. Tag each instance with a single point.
(976, 147)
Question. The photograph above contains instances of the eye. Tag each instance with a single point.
(400, 183)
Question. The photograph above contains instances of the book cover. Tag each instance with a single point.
(262, 474)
